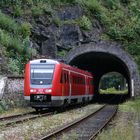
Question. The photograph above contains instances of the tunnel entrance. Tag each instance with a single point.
(100, 59)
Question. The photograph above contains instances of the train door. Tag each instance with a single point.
(86, 86)
(70, 82)
(89, 88)
(65, 83)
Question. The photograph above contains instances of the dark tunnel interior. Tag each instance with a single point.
(100, 63)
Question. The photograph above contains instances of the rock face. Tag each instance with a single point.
(79, 45)
(70, 13)
(49, 47)
(68, 36)
(50, 38)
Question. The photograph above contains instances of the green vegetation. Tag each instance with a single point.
(61, 53)
(131, 106)
(113, 81)
(13, 42)
(14, 111)
(3, 106)
(8, 24)
(119, 132)
(123, 127)
(37, 11)
(120, 20)
(113, 91)
(11, 103)
(85, 23)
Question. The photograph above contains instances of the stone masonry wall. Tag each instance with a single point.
(13, 93)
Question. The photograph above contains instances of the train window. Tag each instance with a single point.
(42, 74)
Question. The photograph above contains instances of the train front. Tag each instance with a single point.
(38, 82)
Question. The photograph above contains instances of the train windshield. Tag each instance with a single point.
(42, 74)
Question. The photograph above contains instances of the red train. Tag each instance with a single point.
(50, 83)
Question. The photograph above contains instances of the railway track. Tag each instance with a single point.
(15, 119)
(85, 128)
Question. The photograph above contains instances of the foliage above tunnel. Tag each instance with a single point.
(119, 19)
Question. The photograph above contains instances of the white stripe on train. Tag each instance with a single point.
(64, 97)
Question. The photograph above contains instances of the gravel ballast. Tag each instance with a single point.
(39, 127)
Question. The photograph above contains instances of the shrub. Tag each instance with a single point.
(3, 106)
(26, 29)
(37, 11)
(13, 66)
(85, 23)
(28, 50)
(28, 2)
(10, 42)
(48, 9)
(61, 53)
(94, 6)
(17, 11)
(8, 23)
(112, 4)
(113, 91)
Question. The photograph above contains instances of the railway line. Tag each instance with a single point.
(20, 118)
(87, 127)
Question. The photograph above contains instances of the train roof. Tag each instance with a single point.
(43, 61)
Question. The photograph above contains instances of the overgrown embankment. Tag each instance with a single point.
(36, 27)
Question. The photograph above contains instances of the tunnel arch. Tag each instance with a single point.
(102, 58)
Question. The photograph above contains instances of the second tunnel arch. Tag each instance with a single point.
(103, 58)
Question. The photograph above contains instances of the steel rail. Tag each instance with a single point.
(15, 116)
(68, 126)
(94, 135)
(25, 119)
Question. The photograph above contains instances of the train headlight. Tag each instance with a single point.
(48, 90)
(32, 90)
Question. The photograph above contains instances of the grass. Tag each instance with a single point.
(123, 127)
(113, 91)
(8, 24)
(131, 106)
(37, 11)
(15, 111)
(14, 39)
(85, 23)
(120, 132)
(10, 41)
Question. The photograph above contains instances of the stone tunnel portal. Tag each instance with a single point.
(101, 59)
(99, 63)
